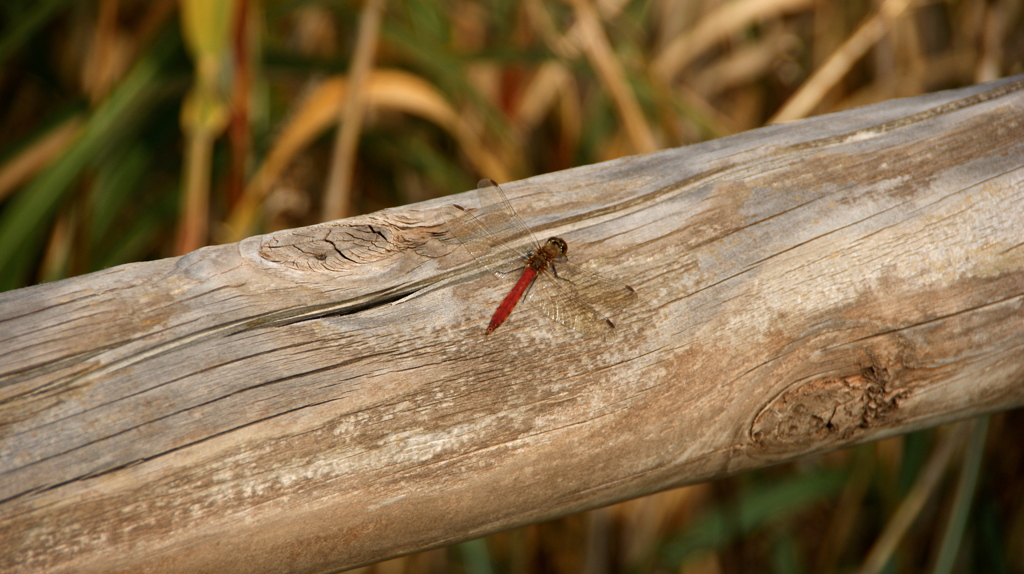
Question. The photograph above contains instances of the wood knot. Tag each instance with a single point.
(343, 246)
(826, 411)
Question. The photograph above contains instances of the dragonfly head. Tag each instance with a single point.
(558, 246)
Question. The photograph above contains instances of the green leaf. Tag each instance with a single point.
(28, 214)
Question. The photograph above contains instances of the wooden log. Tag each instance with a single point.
(283, 404)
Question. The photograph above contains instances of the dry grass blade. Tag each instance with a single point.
(37, 156)
(601, 55)
(542, 94)
(840, 62)
(728, 19)
(204, 113)
(385, 89)
(338, 192)
(911, 506)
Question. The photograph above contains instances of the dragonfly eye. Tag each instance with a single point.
(560, 244)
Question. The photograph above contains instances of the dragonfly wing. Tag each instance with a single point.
(499, 216)
(496, 253)
(493, 234)
(596, 289)
(570, 298)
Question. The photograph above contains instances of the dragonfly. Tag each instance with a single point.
(501, 242)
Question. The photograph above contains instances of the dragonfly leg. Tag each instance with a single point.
(554, 272)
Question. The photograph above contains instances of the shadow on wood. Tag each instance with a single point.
(283, 404)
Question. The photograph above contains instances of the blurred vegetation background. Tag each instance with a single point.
(134, 130)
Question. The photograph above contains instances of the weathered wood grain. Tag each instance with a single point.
(268, 406)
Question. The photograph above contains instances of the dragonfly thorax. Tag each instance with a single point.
(554, 248)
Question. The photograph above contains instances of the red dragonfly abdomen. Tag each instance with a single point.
(503, 310)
